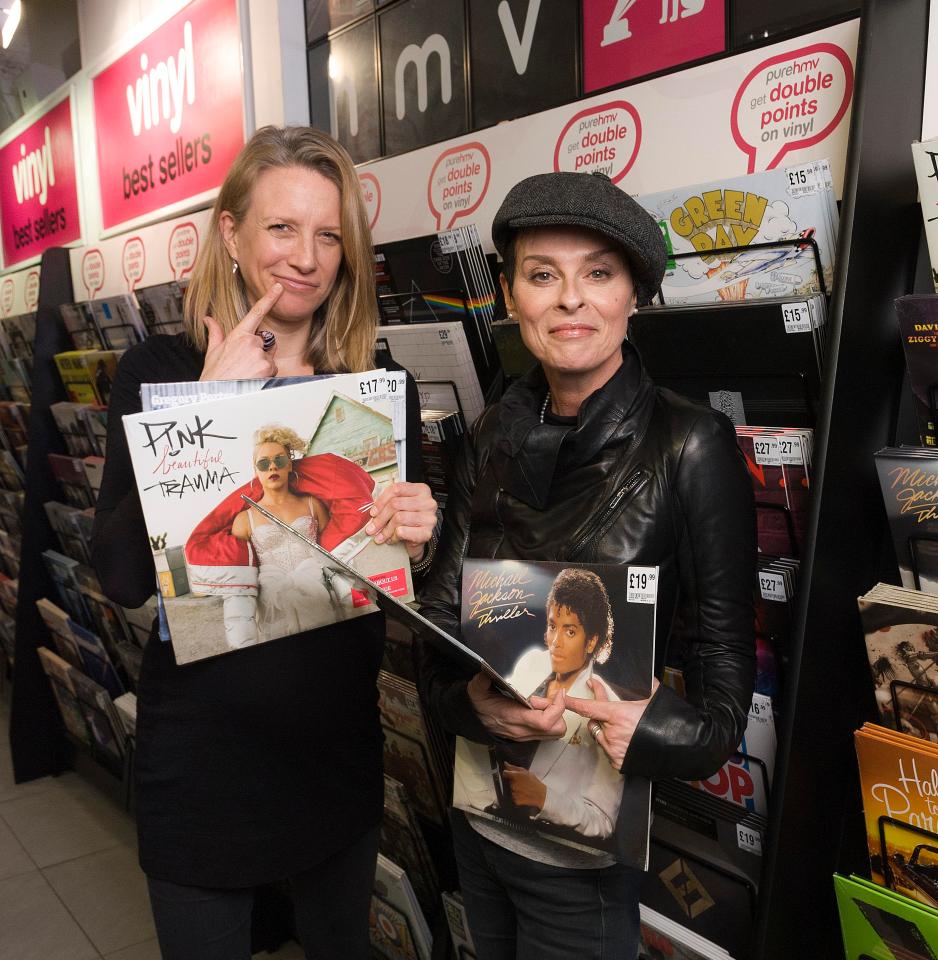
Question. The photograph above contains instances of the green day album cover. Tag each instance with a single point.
(316, 454)
(792, 204)
(586, 628)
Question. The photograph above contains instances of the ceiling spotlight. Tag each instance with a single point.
(13, 15)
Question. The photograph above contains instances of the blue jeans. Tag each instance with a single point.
(519, 909)
(331, 903)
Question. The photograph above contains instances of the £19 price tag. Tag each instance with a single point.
(797, 317)
(449, 241)
(642, 585)
(749, 839)
(772, 586)
(766, 451)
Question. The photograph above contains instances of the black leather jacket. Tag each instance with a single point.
(645, 477)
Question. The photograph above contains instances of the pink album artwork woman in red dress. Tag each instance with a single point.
(274, 584)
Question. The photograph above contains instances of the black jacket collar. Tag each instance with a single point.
(533, 452)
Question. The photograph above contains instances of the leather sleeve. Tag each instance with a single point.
(691, 739)
(441, 683)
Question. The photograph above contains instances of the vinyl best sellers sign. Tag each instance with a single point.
(169, 113)
(38, 187)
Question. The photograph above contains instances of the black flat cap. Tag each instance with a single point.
(588, 200)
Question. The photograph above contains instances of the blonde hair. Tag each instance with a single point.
(289, 439)
(342, 337)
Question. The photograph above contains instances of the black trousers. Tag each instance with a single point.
(331, 903)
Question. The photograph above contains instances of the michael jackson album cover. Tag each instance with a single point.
(316, 455)
(547, 626)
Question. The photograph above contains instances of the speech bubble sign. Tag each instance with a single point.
(791, 101)
(603, 139)
(183, 248)
(458, 182)
(31, 289)
(92, 271)
(133, 261)
(371, 191)
(7, 296)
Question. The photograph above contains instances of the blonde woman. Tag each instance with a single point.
(243, 774)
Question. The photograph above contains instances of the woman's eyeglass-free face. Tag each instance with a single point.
(279, 462)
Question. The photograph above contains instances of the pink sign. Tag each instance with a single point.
(92, 271)
(624, 39)
(7, 295)
(38, 189)
(133, 261)
(790, 101)
(371, 191)
(31, 289)
(458, 183)
(168, 114)
(603, 139)
(183, 248)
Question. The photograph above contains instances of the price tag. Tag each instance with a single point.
(767, 451)
(749, 839)
(642, 585)
(797, 317)
(803, 179)
(789, 449)
(449, 241)
(772, 586)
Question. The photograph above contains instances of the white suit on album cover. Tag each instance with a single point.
(583, 791)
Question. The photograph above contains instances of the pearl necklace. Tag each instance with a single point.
(544, 406)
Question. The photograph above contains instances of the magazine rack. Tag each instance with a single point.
(816, 822)
(794, 242)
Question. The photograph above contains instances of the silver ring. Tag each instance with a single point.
(269, 339)
(594, 727)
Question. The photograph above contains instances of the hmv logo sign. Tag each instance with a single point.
(158, 95)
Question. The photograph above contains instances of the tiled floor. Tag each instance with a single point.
(70, 886)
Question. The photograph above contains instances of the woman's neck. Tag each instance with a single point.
(568, 390)
(292, 343)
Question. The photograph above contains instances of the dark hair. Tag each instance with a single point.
(583, 593)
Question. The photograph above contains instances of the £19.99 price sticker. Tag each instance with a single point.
(642, 585)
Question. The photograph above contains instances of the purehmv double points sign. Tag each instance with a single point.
(169, 114)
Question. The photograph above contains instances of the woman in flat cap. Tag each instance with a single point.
(585, 460)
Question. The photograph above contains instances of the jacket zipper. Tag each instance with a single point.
(616, 505)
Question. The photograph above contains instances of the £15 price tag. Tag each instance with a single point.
(772, 586)
(797, 317)
(749, 839)
(766, 450)
(642, 585)
(803, 179)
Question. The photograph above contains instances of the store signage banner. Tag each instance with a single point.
(169, 113)
(38, 187)
(782, 105)
(158, 253)
(624, 39)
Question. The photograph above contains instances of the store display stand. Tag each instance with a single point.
(37, 738)
(815, 816)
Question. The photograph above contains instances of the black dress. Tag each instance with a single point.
(252, 766)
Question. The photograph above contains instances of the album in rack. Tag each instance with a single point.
(543, 625)
(228, 577)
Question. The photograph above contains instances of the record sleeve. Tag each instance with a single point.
(547, 625)
(246, 581)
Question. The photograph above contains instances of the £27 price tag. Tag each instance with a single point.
(766, 451)
(642, 585)
(772, 586)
